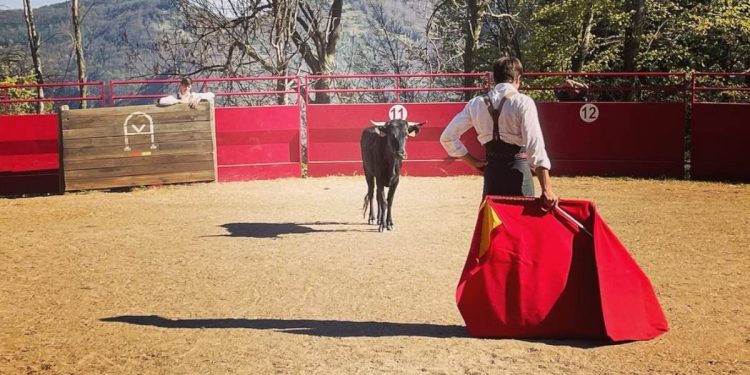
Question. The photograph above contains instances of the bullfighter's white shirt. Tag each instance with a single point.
(518, 124)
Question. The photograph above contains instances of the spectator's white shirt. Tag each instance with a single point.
(198, 96)
(518, 124)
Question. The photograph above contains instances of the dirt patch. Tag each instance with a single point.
(285, 276)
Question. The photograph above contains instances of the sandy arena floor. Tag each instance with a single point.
(284, 276)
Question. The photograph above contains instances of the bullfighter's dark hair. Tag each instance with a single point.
(507, 69)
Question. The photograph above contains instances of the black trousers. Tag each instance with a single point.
(507, 171)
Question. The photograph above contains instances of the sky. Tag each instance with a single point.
(16, 4)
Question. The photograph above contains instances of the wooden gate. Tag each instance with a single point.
(137, 145)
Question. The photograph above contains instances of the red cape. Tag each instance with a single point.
(537, 275)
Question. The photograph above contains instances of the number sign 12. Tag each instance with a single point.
(589, 112)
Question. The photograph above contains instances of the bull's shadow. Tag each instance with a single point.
(322, 328)
(274, 230)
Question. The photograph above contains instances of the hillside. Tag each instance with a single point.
(105, 24)
(113, 29)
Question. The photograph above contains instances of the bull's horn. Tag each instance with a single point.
(377, 123)
(417, 123)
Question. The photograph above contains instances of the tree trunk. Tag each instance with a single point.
(579, 58)
(321, 56)
(633, 35)
(632, 43)
(475, 10)
(28, 15)
(78, 44)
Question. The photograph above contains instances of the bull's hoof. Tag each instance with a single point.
(371, 221)
(381, 229)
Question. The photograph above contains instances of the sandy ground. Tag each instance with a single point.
(284, 276)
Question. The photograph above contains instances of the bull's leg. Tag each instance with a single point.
(370, 190)
(382, 207)
(391, 193)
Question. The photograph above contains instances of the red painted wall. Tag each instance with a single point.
(334, 132)
(258, 143)
(627, 139)
(632, 139)
(720, 138)
(29, 159)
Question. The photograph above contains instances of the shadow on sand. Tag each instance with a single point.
(274, 230)
(333, 328)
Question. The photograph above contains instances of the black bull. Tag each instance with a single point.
(383, 151)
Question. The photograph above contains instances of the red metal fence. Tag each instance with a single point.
(252, 141)
(633, 124)
(612, 134)
(595, 138)
(29, 159)
(720, 131)
(334, 130)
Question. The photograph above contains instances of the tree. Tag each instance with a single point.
(33, 38)
(478, 19)
(316, 37)
(584, 41)
(632, 43)
(78, 46)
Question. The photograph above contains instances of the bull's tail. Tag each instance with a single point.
(365, 206)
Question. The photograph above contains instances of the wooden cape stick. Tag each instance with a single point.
(571, 218)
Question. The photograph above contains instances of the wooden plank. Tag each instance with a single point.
(74, 165)
(115, 182)
(126, 110)
(193, 147)
(182, 136)
(213, 131)
(90, 120)
(137, 170)
(113, 131)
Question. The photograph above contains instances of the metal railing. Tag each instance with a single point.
(400, 86)
(612, 86)
(374, 88)
(7, 93)
(723, 89)
(227, 88)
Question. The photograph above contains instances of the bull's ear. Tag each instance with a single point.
(414, 128)
(379, 127)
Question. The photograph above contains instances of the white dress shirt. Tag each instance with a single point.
(197, 96)
(518, 124)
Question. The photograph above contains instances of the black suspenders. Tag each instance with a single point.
(495, 114)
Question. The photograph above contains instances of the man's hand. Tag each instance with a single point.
(193, 103)
(549, 200)
(474, 162)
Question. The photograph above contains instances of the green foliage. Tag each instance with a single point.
(19, 93)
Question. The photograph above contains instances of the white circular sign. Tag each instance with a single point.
(589, 112)
(398, 112)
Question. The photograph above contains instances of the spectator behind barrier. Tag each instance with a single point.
(572, 91)
(185, 96)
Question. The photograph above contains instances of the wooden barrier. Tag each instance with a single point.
(138, 145)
